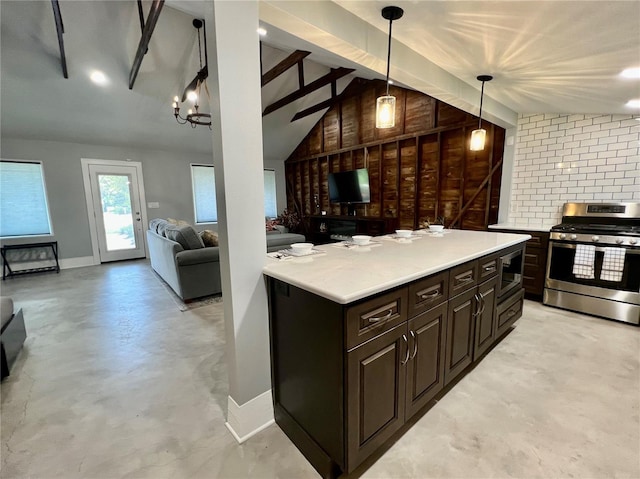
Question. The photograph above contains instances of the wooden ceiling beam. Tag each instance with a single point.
(60, 30)
(154, 14)
(284, 65)
(352, 90)
(311, 87)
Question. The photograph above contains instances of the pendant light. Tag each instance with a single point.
(386, 105)
(478, 136)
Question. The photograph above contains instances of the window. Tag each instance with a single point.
(270, 204)
(204, 194)
(23, 200)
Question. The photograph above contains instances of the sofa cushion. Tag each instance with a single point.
(6, 309)
(209, 238)
(185, 235)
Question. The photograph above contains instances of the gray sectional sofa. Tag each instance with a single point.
(192, 270)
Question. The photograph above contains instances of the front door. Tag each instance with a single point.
(116, 202)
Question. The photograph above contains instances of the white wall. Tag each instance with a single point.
(167, 181)
(561, 158)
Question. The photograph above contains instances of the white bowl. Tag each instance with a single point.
(436, 227)
(361, 239)
(404, 233)
(302, 247)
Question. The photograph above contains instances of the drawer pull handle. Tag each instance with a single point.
(465, 279)
(431, 295)
(406, 342)
(415, 344)
(477, 310)
(490, 268)
(376, 319)
(512, 312)
(482, 302)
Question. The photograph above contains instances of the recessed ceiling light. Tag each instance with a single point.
(262, 32)
(631, 73)
(390, 82)
(98, 78)
(634, 103)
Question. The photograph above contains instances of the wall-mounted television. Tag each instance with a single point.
(349, 186)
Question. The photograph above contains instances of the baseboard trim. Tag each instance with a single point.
(252, 417)
(78, 262)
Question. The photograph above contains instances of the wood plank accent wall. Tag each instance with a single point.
(419, 170)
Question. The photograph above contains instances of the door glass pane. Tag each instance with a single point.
(115, 196)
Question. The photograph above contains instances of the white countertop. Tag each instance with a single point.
(517, 227)
(345, 274)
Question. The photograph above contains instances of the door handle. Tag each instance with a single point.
(415, 344)
(483, 303)
(476, 312)
(406, 342)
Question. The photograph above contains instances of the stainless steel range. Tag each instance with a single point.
(593, 264)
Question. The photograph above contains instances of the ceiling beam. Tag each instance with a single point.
(354, 89)
(283, 66)
(60, 30)
(332, 76)
(154, 14)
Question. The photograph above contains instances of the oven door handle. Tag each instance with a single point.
(553, 244)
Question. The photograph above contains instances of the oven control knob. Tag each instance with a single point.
(619, 240)
(632, 241)
(595, 238)
(574, 237)
(563, 236)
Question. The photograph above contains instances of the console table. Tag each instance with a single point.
(329, 228)
(7, 272)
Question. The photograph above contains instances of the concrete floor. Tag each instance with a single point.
(115, 382)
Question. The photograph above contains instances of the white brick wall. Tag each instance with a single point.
(561, 158)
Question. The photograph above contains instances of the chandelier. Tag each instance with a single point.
(194, 89)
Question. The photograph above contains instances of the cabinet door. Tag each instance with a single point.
(425, 369)
(375, 392)
(460, 323)
(485, 319)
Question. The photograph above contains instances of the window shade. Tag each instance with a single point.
(270, 205)
(23, 202)
(204, 194)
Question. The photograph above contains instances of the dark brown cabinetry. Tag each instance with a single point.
(346, 378)
(376, 388)
(535, 261)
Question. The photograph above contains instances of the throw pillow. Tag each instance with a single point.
(155, 223)
(209, 238)
(178, 222)
(270, 225)
(185, 235)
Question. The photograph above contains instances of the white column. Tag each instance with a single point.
(236, 111)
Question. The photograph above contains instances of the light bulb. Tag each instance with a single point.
(477, 139)
(175, 105)
(176, 99)
(192, 95)
(190, 111)
(386, 112)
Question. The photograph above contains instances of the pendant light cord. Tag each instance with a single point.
(481, 98)
(389, 54)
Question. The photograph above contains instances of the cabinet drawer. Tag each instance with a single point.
(509, 311)
(427, 293)
(375, 316)
(463, 277)
(487, 267)
(538, 240)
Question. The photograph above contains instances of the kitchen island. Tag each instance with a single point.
(363, 339)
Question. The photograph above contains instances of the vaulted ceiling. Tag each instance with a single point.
(546, 56)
